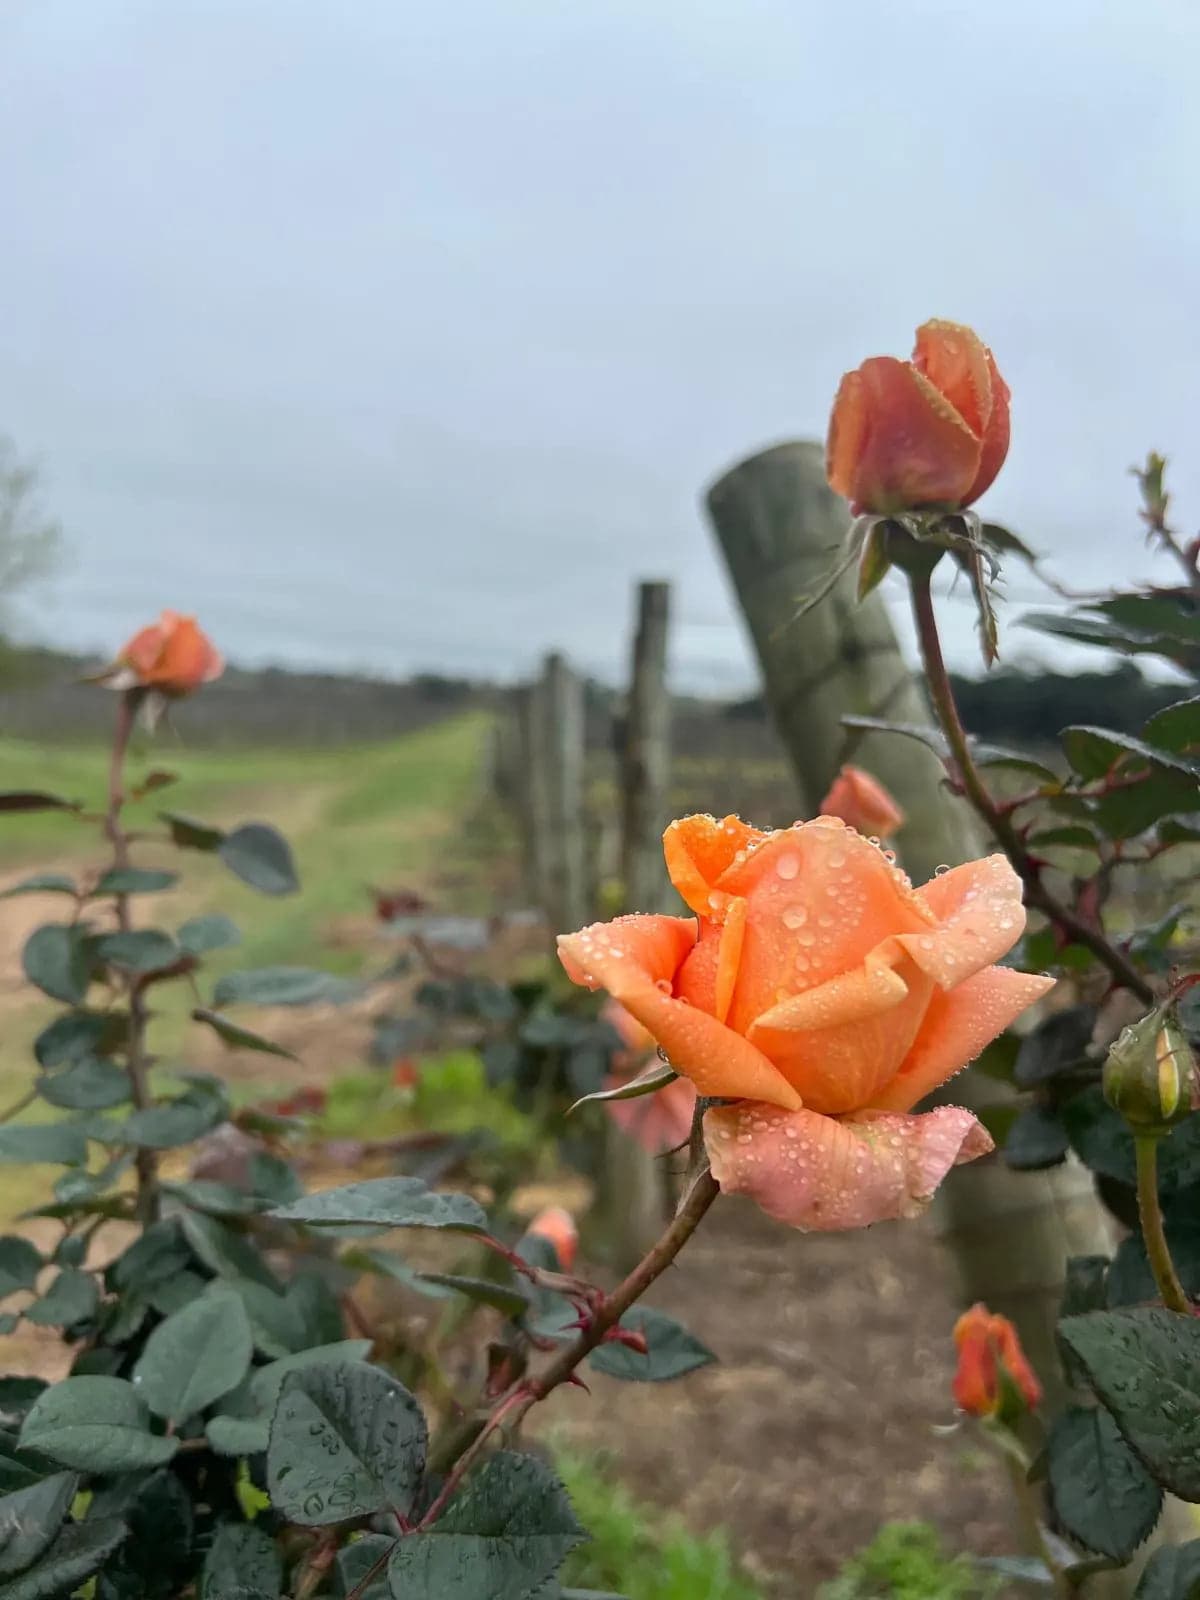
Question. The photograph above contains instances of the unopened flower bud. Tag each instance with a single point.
(1150, 1073)
(993, 1379)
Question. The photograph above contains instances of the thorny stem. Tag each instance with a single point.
(135, 1057)
(1036, 893)
(609, 1311)
(1170, 1289)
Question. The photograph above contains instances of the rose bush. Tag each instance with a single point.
(824, 996)
(932, 431)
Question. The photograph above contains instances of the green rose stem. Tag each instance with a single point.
(1036, 893)
(135, 1051)
(608, 1312)
(1170, 1289)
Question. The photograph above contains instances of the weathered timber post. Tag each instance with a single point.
(531, 791)
(646, 756)
(563, 755)
(781, 528)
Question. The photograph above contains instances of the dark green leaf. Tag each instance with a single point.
(199, 935)
(55, 960)
(1092, 751)
(172, 1294)
(356, 1560)
(242, 1564)
(1103, 1142)
(158, 1253)
(224, 1251)
(266, 1382)
(1125, 812)
(218, 1199)
(315, 1302)
(507, 1531)
(20, 1263)
(77, 1034)
(238, 1436)
(1056, 1045)
(79, 1550)
(673, 1350)
(30, 1518)
(1076, 837)
(276, 1327)
(195, 1356)
(998, 1060)
(346, 1441)
(143, 950)
(1085, 1287)
(281, 986)
(501, 1059)
(174, 1122)
(96, 1425)
(1036, 1139)
(34, 800)
(503, 1297)
(1145, 1367)
(190, 834)
(154, 1563)
(72, 1297)
(50, 1142)
(924, 733)
(1131, 1281)
(401, 1202)
(92, 1084)
(1175, 727)
(40, 883)
(272, 1179)
(652, 1078)
(1103, 1495)
(1172, 1573)
(135, 880)
(70, 1250)
(260, 856)
(239, 1038)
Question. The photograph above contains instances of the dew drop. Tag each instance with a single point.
(787, 866)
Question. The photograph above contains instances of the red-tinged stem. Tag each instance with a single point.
(1122, 970)
(135, 1049)
(1170, 1290)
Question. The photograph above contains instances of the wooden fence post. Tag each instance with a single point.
(646, 756)
(531, 792)
(780, 528)
(563, 757)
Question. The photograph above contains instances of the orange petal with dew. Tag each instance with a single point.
(980, 917)
(957, 1026)
(995, 439)
(847, 436)
(916, 450)
(698, 850)
(955, 360)
(636, 960)
(841, 1042)
(828, 1174)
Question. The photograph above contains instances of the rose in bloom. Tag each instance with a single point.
(660, 1121)
(993, 1377)
(172, 656)
(932, 431)
(863, 802)
(556, 1225)
(824, 996)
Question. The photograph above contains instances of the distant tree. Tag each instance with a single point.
(30, 540)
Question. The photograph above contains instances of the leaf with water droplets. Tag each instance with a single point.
(1103, 1495)
(1144, 1365)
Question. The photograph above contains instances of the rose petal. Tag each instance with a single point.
(698, 850)
(995, 440)
(955, 360)
(980, 915)
(840, 1043)
(828, 1174)
(915, 450)
(636, 959)
(957, 1025)
(847, 436)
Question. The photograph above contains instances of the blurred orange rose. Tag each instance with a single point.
(993, 1373)
(660, 1121)
(825, 996)
(863, 802)
(557, 1225)
(932, 431)
(172, 656)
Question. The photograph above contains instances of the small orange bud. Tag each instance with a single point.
(404, 1073)
(993, 1378)
(557, 1225)
(930, 432)
(863, 802)
(172, 656)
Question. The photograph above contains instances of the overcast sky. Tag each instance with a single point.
(395, 335)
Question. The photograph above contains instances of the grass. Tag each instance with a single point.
(906, 1561)
(642, 1556)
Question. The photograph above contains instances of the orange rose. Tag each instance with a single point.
(825, 996)
(863, 802)
(556, 1225)
(171, 656)
(993, 1376)
(660, 1121)
(932, 431)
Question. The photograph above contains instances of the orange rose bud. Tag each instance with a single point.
(863, 802)
(994, 1379)
(557, 1225)
(171, 656)
(930, 432)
